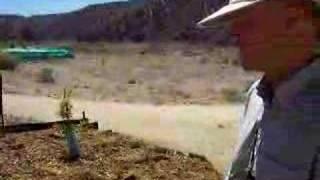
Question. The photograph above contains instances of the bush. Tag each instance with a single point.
(7, 62)
(4, 44)
(233, 95)
(46, 75)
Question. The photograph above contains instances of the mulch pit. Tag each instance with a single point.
(104, 155)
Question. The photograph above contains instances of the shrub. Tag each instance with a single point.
(7, 62)
(46, 75)
(233, 95)
(69, 130)
(65, 107)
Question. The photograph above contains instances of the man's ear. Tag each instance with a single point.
(294, 15)
(298, 16)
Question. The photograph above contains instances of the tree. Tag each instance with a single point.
(68, 129)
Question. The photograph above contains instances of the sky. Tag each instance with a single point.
(37, 7)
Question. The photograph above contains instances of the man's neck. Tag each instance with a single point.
(277, 76)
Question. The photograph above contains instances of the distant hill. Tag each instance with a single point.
(134, 20)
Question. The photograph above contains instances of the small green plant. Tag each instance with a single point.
(68, 129)
(65, 110)
(46, 75)
(7, 62)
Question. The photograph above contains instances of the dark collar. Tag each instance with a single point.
(265, 91)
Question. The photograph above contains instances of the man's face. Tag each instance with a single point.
(268, 34)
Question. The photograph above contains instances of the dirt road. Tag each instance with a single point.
(207, 130)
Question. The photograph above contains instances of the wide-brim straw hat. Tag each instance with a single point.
(230, 10)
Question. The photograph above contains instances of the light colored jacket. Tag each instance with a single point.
(284, 134)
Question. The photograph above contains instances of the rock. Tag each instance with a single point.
(220, 126)
(132, 81)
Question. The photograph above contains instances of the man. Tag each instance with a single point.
(280, 128)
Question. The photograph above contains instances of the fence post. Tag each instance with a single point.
(83, 115)
(84, 118)
(1, 108)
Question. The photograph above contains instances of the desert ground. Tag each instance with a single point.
(105, 155)
(182, 96)
(164, 73)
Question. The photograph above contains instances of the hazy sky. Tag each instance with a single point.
(33, 7)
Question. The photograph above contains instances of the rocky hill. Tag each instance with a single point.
(133, 20)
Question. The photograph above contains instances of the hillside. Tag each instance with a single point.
(134, 20)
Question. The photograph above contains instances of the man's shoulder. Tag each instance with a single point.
(301, 93)
(308, 82)
(308, 95)
(312, 79)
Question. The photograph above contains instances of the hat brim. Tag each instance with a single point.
(225, 13)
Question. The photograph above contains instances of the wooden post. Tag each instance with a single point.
(1, 108)
(83, 115)
(84, 118)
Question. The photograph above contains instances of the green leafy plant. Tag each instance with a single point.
(65, 110)
(68, 129)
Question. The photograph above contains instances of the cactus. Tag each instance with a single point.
(68, 129)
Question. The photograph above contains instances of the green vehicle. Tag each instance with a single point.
(35, 53)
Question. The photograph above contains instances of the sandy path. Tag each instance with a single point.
(186, 128)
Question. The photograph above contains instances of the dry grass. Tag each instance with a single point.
(142, 73)
(46, 75)
(233, 95)
(7, 62)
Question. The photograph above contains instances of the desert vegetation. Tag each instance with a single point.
(179, 83)
(169, 73)
(7, 62)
